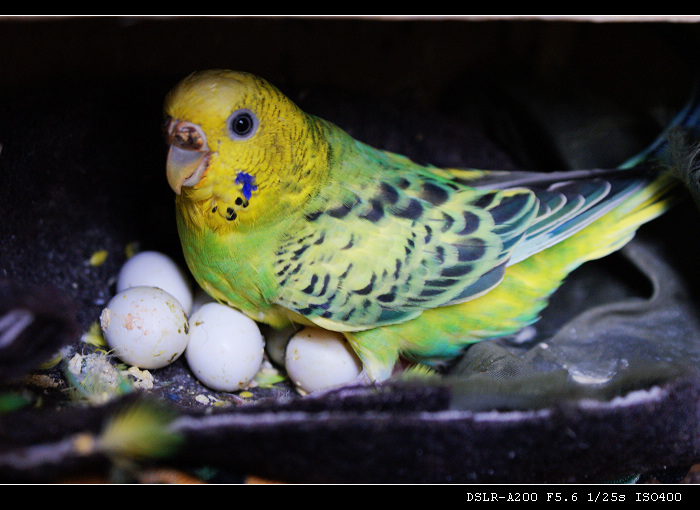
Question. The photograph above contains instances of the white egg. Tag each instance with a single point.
(155, 269)
(225, 349)
(145, 326)
(318, 359)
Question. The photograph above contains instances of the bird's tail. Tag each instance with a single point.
(653, 173)
(527, 286)
(645, 195)
(613, 230)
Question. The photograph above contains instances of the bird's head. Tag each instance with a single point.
(240, 148)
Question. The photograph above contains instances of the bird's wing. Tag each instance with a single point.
(394, 246)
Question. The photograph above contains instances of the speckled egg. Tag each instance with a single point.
(145, 326)
(225, 350)
(318, 359)
(155, 269)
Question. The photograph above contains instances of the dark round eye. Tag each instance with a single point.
(242, 124)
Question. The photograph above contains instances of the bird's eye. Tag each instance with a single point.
(242, 124)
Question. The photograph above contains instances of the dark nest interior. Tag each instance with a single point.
(615, 394)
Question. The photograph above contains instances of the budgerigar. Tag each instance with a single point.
(287, 218)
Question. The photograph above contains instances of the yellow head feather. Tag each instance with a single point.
(253, 177)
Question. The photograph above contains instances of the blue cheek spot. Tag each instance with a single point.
(247, 182)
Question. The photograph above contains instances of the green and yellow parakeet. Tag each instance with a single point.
(287, 218)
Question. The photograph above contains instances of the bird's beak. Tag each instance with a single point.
(188, 156)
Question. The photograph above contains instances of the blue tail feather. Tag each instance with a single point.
(686, 120)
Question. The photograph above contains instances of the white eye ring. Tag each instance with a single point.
(242, 124)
